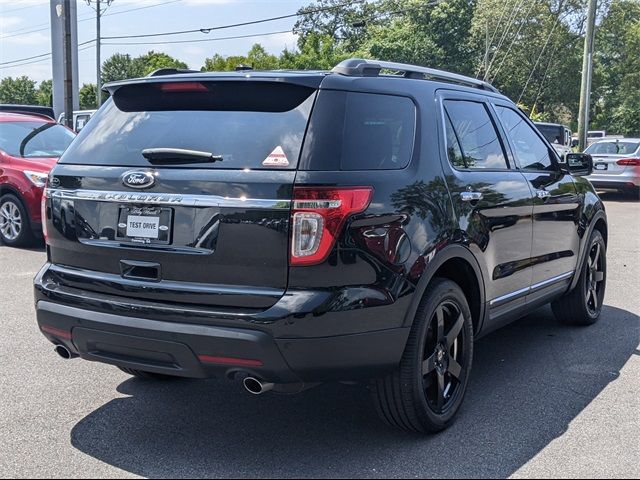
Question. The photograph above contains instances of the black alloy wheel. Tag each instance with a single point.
(426, 391)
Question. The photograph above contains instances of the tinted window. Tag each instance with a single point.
(613, 148)
(360, 131)
(530, 150)
(250, 126)
(553, 133)
(454, 152)
(476, 135)
(34, 139)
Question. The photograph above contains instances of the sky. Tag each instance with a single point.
(25, 31)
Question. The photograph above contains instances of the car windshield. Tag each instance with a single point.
(34, 139)
(613, 148)
(553, 133)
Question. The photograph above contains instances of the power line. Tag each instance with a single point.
(512, 17)
(234, 25)
(32, 62)
(200, 40)
(21, 31)
(538, 61)
(513, 41)
(206, 30)
(495, 32)
(41, 55)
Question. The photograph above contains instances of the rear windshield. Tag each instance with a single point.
(256, 125)
(34, 139)
(553, 133)
(613, 148)
(360, 131)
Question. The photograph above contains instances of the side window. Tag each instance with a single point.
(476, 136)
(530, 150)
(454, 152)
(359, 131)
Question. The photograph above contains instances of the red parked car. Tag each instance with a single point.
(30, 145)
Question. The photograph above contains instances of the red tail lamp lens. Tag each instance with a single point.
(181, 87)
(318, 215)
(629, 162)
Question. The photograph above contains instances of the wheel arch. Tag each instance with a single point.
(456, 263)
(598, 222)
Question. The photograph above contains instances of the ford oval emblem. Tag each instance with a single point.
(138, 179)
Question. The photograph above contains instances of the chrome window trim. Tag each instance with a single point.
(169, 199)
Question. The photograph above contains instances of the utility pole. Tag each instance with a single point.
(98, 60)
(587, 70)
(68, 66)
(99, 12)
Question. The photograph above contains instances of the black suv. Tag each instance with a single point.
(291, 228)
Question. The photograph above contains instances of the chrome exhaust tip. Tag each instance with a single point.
(63, 352)
(255, 386)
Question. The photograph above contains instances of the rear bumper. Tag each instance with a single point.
(618, 182)
(193, 350)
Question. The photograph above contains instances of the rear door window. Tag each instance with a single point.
(472, 138)
(255, 125)
(360, 131)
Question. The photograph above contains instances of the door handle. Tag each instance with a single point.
(470, 196)
(542, 194)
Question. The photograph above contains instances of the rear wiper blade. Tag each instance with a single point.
(169, 156)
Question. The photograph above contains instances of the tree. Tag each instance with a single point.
(318, 52)
(120, 67)
(45, 93)
(534, 54)
(88, 96)
(425, 34)
(20, 90)
(616, 96)
(257, 58)
(152, 61)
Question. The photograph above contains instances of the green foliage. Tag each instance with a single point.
(257, 58)
(45, 93)
(318, 52)
(20, 90)
(616, 95)
(152, 61)
(120, 67)
(88, 97)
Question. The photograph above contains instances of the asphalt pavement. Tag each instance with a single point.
(544, 400)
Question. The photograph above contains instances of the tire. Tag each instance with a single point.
(413, 400)
(583, 305)
(146, 375)
(15, 225)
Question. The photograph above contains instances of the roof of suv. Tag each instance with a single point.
(24, 117)
(347, 70)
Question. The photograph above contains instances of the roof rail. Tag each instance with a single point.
(171, 71)
(357, 67)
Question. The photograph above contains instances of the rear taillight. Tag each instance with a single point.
(318, 215)
(629, 162)
(43, 215)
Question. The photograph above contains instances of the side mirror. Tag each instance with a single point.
(574, 143)
(579, 164)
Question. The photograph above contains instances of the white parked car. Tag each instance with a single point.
(616, 164)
